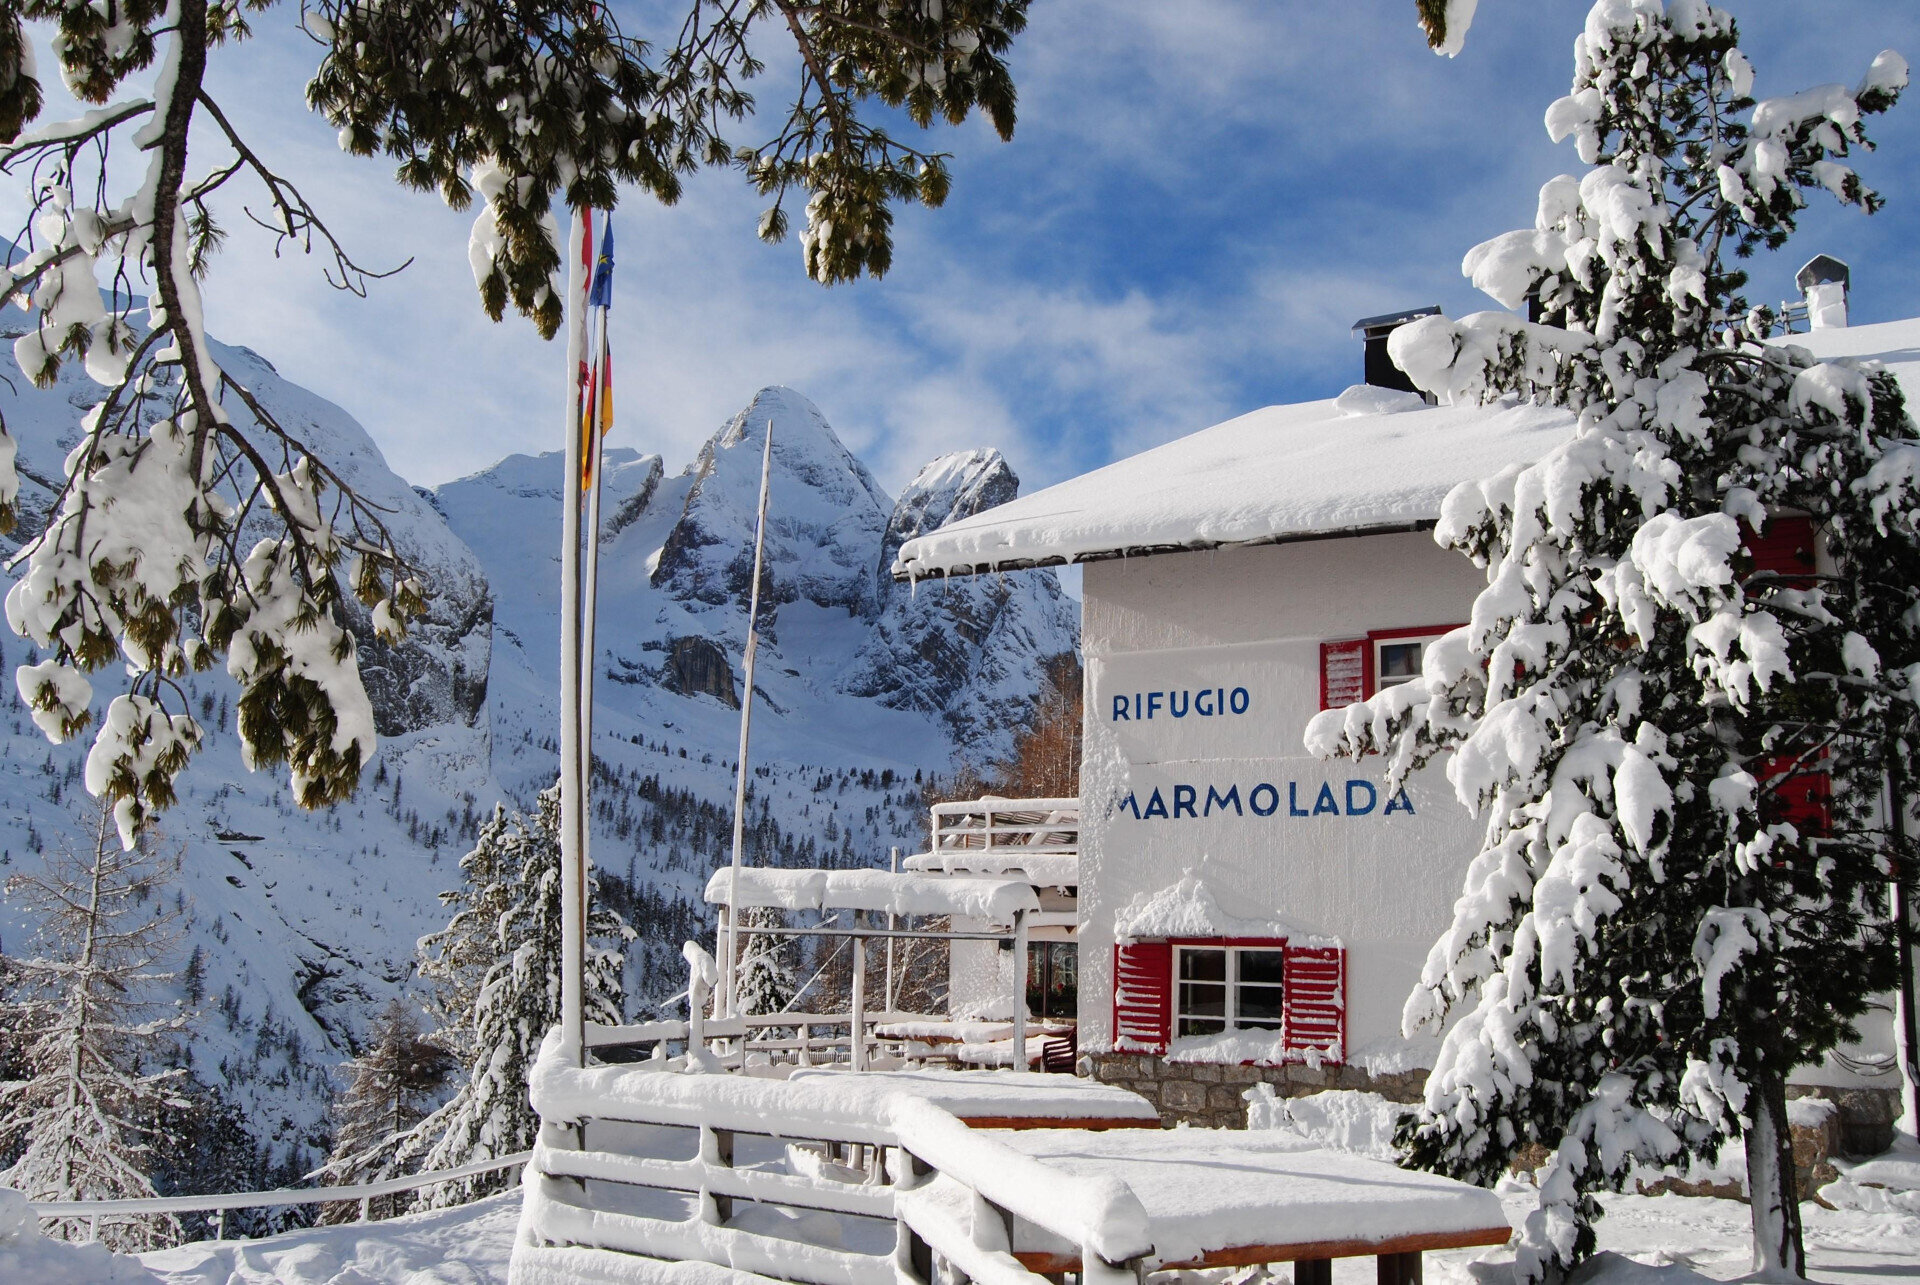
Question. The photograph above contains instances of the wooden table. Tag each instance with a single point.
(1232, 1198)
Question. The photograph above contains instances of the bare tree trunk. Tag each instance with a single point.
(1778, 1250)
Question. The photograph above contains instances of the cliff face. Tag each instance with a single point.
(972, 651)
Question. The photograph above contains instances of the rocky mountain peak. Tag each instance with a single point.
(825, 516)
(954, 486)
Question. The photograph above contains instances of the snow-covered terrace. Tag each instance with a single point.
(830, 1178)
(1371, 461)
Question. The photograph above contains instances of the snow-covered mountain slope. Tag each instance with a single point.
(305, 924)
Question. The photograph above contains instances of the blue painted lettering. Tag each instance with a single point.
(1153, 703)
(1120, 709)
(1177, 703)
(1231, 796)
(1293, 800)
(1183, 797)
(1399, 803)
(1325, 803)
(1373, 798)
(1129, 805)
(1156, 807)
(1203, 704)
(1241, 699)
(1136, 707)
(1253, 800)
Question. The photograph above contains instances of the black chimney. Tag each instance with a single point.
(1380, 370)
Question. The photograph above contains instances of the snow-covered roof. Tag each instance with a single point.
(1344, 467)
(994, 900)
(1369, 461)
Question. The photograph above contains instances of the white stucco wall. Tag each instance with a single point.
(1254, 618)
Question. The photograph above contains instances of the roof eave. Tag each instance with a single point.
(1151, 550)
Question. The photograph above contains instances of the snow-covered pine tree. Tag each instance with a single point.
(385, 1092)
(83, 1014)
(508, 915)
(1659, 927)
(193, 527)
(767, 981)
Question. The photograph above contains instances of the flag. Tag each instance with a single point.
(596, 401)
(604, 399)
(585, 375)
(602, 294)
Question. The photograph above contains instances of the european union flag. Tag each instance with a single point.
(601, 295)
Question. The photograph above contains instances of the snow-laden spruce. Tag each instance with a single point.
(500, 957)
(768, 983)
(1681, 753)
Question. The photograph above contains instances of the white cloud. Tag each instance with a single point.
(1201, 199)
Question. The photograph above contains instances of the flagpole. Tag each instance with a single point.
(729, 970)
(573, 881)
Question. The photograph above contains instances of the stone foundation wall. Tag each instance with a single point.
(1209, 1094)
(1206, 1093)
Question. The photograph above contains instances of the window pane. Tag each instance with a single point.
(1053, 979)
(1399, 662)
(1203, 965)
(1268, 967)
(1203, 999)
(1259, 1006)
(1201, 1026)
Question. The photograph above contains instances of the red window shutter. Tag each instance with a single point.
(1785, 548)
(1316, 1000)
(1142, 996)
(1803, 799)
(1346, 672)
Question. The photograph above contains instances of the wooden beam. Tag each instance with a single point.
(1044, 1262)
(1057, 1122)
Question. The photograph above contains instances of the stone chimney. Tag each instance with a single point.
(1825, 282)
(1380, 370)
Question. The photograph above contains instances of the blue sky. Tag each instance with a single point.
(1201, 197)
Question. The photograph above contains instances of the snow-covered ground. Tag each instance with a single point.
(1645, 1240)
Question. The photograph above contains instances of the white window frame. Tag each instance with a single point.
(1380, 681)
(1230, 1019)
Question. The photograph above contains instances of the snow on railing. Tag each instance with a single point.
(853, 1148)
(366, 1192)
(757, 1031)
(1039, 837)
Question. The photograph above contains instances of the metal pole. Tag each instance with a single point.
(573, 881)
(729, 969)
(893, 923)
(1019, 990)
(1907, 1036)
(858, 1056)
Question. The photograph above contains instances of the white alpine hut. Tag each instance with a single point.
(1246, 911)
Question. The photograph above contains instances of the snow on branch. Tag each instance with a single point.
(190, 525)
